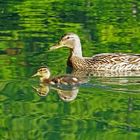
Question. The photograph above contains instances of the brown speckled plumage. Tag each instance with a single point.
(65, 80)
(99, 62)
(44, 75)
(120, 62)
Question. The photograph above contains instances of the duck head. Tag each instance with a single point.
(71, 41)
(43, 73)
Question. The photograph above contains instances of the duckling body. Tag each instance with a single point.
(67, 80)
(99, 62)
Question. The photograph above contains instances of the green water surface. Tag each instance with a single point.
(106, 107)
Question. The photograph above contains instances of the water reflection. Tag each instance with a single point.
(118, 81)
(98, 111)
(42, 89)
(127, 82)
(86, 73)
(67, 95)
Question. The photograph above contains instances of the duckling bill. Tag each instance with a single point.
(99, 62)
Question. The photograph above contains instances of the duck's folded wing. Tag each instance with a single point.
(114, 62)
(115, 58)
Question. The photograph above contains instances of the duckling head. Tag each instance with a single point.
(43, 73)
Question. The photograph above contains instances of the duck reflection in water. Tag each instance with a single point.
(66, 95)
(88, 73)
(65, 85)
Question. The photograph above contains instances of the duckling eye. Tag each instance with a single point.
(68, 37)
(40, 70)
(45, 70)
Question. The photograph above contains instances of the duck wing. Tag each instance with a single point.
(117, 58)
(115, 61)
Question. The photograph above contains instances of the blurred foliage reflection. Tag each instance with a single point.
(104, 108)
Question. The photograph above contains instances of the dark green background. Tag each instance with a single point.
(28, 28)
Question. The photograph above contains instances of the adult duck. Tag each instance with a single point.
(99, 62)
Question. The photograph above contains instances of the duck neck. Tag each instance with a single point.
(76, 49)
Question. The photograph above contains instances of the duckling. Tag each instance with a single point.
(99, 62)
(66, 80)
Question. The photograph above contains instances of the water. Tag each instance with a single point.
(106, 106)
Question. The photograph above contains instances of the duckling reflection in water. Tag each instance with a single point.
(59, 81)
(42, 90)
(65, 95)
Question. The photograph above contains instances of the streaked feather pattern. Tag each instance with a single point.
(108, 62)
(99, 62)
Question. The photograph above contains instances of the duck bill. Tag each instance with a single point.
(36, 74)
(56, 46)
